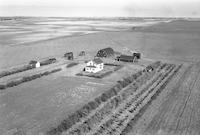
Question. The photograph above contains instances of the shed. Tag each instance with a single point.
(34, 63)
(125, 58)
(82, 53)
(106, 52)
(69, 55)
(137, 55)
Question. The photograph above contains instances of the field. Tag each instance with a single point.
(143, 98)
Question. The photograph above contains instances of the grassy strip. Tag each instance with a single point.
(72, 64)
(26, 67)
(92, 105)
(27, 79)
(17, 70)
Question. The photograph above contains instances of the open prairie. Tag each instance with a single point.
(161, 100)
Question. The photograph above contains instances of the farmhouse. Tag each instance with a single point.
(69, 55)
(94, 66)
(107, 52)
(34, 63)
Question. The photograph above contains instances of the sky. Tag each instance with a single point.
(101, 8)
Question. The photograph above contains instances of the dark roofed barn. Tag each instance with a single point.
(69, 55)
(125, 58)
(129, 58)
(107, 52)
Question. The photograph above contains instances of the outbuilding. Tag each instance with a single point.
(69, 55)
(34, 63)
(137, 55)
(106, 52)
(82, 53)
(125, 58)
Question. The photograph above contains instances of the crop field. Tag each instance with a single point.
(114, 111)
(178, 112)
(35, 106)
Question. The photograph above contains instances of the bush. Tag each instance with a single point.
(46, 73)
(2, 87)
(85, 110)
(28, 78)
(17, 70)
(104, 97)
(93, 105)
(98, 100)
(56, 70)
(11, 84)
(72, 64)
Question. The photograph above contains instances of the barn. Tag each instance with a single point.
(69, 55)
(125, 58)
(106, 52)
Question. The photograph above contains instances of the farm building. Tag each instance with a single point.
(125, 58)
(137, 55)
(69, 55)
(129, 58)
(82, 53)
(48, 61)
(94, 66)
(34, 63)
(107, 52)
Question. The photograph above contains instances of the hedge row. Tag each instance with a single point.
(17, 70)
(92, 105)
(72, 64)
(26, 67)
(27, 78)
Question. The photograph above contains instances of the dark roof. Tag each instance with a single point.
(68, 53)
(98, 61)
(108, 50)
(32, 62)
(126, 57)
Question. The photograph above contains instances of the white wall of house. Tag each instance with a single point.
(37, 65)
(95, 69)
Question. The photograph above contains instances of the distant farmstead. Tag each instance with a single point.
(107, 52)
(94, 66)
